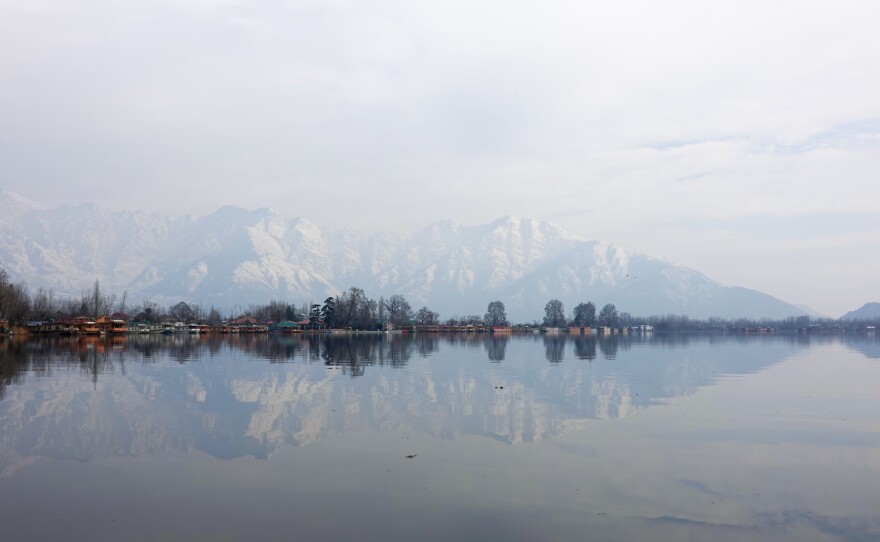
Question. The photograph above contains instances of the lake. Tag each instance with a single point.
(441, 437)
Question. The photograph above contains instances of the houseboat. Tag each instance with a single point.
(111, 326)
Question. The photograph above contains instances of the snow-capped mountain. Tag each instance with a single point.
(239, 257)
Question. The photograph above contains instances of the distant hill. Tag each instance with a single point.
(812, 313)
(236, 257)
(868, 311)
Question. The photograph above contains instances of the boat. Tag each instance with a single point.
(177, 327)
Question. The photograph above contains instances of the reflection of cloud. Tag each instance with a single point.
(842, 528)
(677, 520)
(699, 486)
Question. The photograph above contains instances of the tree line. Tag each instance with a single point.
(350, 309)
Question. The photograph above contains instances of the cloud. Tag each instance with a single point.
(394, 113)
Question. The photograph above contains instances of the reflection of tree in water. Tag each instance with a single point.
(427, 343)
(180, 347)
(609, 345)
(277, 348)
(92, 355)
(314, 345)
(472, 340)
(554, 348)
(352, 355)
(351, 352)
(11, 368)
(396, 350)
(585, 347)
(496, 347)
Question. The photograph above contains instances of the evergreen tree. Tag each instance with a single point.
(314, 316)
(328, 311)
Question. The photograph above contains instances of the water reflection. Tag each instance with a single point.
(554, 348)
(519, 437)
(351, 353)
(585, 348)
(84, 398)
(496, 347)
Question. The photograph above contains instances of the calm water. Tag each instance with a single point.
(441, 438)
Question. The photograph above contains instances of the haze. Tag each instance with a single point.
(738, 138)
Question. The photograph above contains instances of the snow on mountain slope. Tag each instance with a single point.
(13, 205)
(239, 257)
(67, 248)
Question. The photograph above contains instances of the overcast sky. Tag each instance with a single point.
(739, 138)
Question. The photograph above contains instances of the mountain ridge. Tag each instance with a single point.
(868, 311)
(236, 257)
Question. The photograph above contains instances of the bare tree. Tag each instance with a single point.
(496, 315)
(214, 317)
(427, 317)
(43, 306)
(584, 314)
(147, 311)
(353, 309)
(398, 309)
(15, 303)
(95, 302)
(382, 314)
(554, 314)
(608, 315)
(472, 320)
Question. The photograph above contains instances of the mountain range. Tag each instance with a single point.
(868, 311)
(237, 257)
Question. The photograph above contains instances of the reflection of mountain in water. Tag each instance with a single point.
(83, 399)
(868, 344)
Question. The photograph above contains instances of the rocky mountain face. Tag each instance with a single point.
(236, 257)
